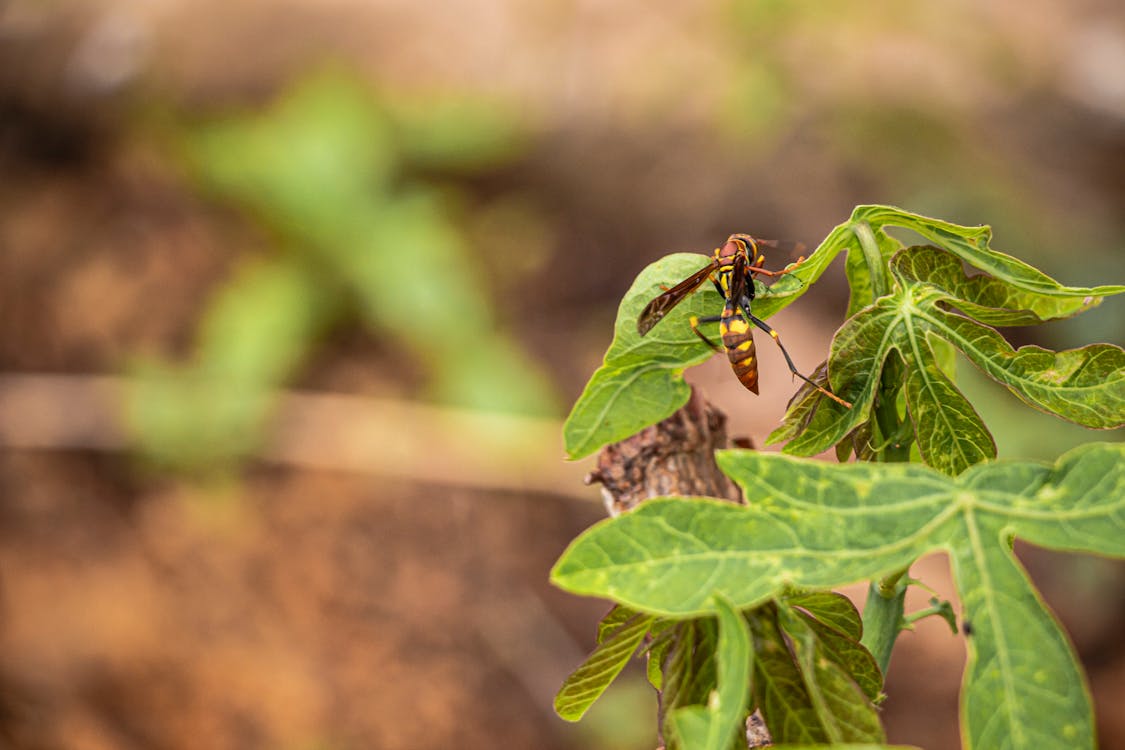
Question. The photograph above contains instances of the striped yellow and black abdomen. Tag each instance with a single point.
(738, 340)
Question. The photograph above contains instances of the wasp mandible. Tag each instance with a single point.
(731, 270)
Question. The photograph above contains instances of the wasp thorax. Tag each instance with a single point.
(728, 251)
(738, 244)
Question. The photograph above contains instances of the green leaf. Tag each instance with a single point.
(641, 379)
(839, 627)
(689, 669)
(613, 621)
(669, 555)
(1084, 385)
(971, 244)
(833, 609)
(985, 298)
(640, 375)
(689, 728)
(949, 433)
(866, 263)
(586, 684)
(717, 726)
(849, 654)
(779, 687)
(841, 705)
(819, 525)
(663, 635)
(1022, 685)
(844, 746)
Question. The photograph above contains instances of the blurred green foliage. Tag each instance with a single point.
(933, 108)
(355, 188)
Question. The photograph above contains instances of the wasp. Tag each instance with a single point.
(731, 270)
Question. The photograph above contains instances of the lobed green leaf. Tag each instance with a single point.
(986, 298)
(669, 555)
(816, 525)
(971, 244)
(1023, 687)
(1084, 385)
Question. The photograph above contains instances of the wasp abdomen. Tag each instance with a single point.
(738, 340)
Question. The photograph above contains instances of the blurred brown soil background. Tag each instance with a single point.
(310, 599)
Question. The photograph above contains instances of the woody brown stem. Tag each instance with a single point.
(673, 457)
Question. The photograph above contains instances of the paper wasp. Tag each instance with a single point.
(731, 270)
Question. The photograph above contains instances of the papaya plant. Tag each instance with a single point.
(732, 605)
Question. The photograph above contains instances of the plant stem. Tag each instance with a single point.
(882, 617)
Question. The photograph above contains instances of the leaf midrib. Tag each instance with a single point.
(922, 533)
(987, 363)
(913, 338)
(979, 559)
(791, 500)
(617, 392)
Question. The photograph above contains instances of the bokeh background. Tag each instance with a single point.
(294, 295)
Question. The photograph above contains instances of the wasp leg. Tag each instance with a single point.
(765, 272)
(789, 360)
(695, 329)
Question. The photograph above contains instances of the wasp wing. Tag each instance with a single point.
(739, 278)
(655, 310)
(786, 247)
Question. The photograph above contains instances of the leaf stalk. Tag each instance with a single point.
(883, 618)
(874, 259)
